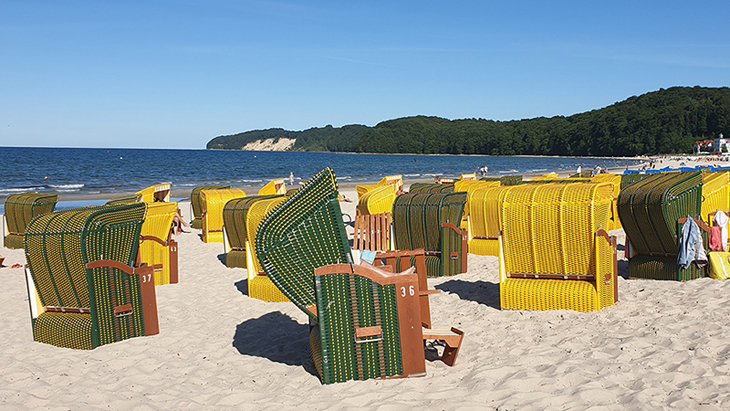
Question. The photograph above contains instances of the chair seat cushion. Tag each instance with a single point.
(70, 330)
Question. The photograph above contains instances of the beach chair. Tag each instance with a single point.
(20, 210)
(364, 322)
(509, 180)
(715, 193)
(82, 286)
(197, 207)
(615, 179)
(555, 251)
(273, 187)
(212, 203)
(242, 216)
(395, 179)
(430, 220)
(649, 210)
(378, 200)
(470, 186)
(485, 210)
(431, 188)
(156, 193)
(157, 248)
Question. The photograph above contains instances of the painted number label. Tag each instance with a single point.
(411, 291)
(146, 278)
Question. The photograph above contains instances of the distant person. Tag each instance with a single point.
(178, 223)
(580, 168)
(291, 178)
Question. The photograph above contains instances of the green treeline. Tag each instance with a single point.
(661, 122)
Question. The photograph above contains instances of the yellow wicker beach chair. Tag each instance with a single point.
(196, 209)
(470, 186)
(273, 187)
(715, 193)
(615, 179)
(396, 179)
(556, 253)
(485, 211)
(156, 193)
(378, 200)
(212, 202)
(157, 249)
(259, 284)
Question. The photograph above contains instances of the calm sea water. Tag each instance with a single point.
(81, 171)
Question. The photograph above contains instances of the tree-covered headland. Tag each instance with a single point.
(666, 121)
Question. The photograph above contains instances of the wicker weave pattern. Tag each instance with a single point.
(262, 288)
(418, 220)
(649, 211)
(20, 210)
(235, 219)
(375, 306)
(395, 179)
(256, 214)
(197, 206)
(431, 188)
(485, 213)
(715, 193)
(157, 224)
(57, 248)
(550, 229)
(213, 202)
(377, 200)
(304, 232)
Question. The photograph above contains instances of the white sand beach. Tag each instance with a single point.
(664, 345)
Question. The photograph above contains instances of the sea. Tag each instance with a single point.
(110, 171)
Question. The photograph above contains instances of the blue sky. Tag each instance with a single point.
(174, 74)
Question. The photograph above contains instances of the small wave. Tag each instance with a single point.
(66, 186)
(412, 175)
(345, 178)
(537, 170)
(20, 190)
(509, 172)
(68, 190)
(250, 181)
(433, 174)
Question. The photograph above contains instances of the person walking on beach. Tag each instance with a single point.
(291, 178)
(580, 168)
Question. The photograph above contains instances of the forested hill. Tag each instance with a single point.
(659, 122)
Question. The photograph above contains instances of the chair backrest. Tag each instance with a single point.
(156, 193)
(649, 209)
(213, 202)
(431, 188)
(304, 232)
(195, 197)
(235, 214)
(273, 187)
(715, 192)
(485, 211)
(551, 228)
(418, 217)
(157, 223)
(378, 200)
(255, 216)
(21, 209)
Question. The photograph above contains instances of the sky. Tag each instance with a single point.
(175, 74)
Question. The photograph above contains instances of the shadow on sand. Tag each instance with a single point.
(482, 292)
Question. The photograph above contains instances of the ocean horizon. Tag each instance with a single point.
(111, 171)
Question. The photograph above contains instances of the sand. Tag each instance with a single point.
(663, 345)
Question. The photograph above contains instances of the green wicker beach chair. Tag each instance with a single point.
(431, 221)
(82, 288)
(511, 180)
(431, 188)
(649, 211)
(197, 207)
(20, 209)
(365, 323)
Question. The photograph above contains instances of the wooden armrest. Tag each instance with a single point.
(452, 338)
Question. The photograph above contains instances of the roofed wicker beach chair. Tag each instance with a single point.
(510, 180)
(650, 210)
(378, 200)
(157, 248)
(273, 187)
(197, 207)
(431, 188)
(212, 203)
(430, 220)
(364, 322)
(82, 286)
(556, 253)
(20, 210)
(485, 210)
(470, 186)
(242, 217)
(156, 193)
(395, 179)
